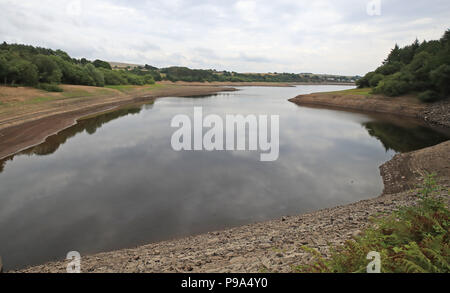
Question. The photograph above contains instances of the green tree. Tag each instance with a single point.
(394, 56)
(49, 71)
(102, 64)
(113, 77)
(390, 68)
(420, 65)
(364, 82)
(3, 69)
(446, 37)
(421, 68)
(440, 77)
(22, 72)
(394, 85)
(29, 73)
(375, 79)
(96, 75)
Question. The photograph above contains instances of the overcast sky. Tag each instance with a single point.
(337, 37)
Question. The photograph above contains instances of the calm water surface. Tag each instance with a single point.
(114, 181)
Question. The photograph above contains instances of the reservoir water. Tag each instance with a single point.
(113, 181)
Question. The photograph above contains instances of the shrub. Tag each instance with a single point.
(22, 72)
(412, 240)
(29, 74)
(394, 85)
(418, 67)
(102, 64)
(390, 68)
(364, 82)
(113, 77)
(441, 79)
(375, 79)
(428, 96)
(49, 87)
(148, 79)
(49, 71)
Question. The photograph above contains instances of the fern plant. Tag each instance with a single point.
(411, 240)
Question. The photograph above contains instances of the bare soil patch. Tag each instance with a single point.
(404, 106)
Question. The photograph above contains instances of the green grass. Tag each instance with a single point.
(78, 94)
(363, 92)
(40, 99)
(128, 88)
(412, 240)
(121, 88)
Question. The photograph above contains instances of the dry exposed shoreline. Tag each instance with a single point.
(32, 129)
(273, 246)
(436, 114)
(29, 128)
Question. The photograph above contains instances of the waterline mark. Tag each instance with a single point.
(236, 133)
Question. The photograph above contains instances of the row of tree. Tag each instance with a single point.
(422, 68)
(31, 66)
(45, 68)
(198, 75)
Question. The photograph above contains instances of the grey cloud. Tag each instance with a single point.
(249, 36)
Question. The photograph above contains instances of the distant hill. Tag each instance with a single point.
(199, 75)
(120, 65)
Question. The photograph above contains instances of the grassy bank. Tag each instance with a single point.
(359, 91)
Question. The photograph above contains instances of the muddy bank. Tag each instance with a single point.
(273, 246)
(435, 114)
(32, 129)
